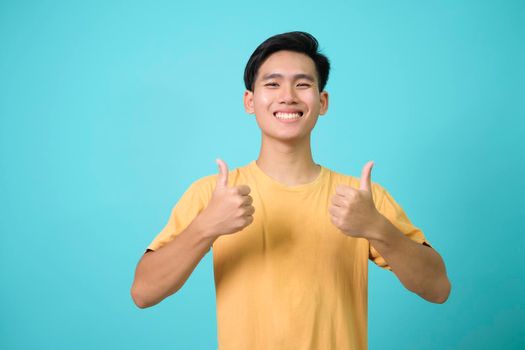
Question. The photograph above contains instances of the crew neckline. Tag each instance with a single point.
(273, 182)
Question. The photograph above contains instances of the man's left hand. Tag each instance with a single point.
(353, 210)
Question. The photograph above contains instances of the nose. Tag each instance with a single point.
(287, 94)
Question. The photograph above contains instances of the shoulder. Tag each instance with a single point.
(204, 186)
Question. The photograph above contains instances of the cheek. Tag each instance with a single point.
(312, 101)
(262, 99)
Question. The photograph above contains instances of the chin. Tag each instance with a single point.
(286, 137)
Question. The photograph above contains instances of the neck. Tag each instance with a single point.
(290, 163)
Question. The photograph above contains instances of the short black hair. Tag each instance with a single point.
(301, 42)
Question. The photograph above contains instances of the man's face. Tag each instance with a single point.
(286, 98)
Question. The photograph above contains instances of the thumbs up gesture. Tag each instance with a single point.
(353, 210)
(230, 208)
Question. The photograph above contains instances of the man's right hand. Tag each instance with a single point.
(230, 208)
(165, 271)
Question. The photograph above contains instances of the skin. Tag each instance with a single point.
(285, 152)
(418, 267)
(286, 156)
(163, 272)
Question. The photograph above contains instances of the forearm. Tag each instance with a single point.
(164, 271)
(419, 268)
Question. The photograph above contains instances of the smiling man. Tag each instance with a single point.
(291, 239)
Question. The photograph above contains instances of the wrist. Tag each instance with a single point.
(379, 230)
(203, 230)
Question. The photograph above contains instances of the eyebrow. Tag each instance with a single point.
(296, 76)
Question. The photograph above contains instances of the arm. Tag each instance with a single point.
(418, 267)
(163, 272)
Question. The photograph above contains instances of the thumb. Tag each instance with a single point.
(366, 182)
(222, 179)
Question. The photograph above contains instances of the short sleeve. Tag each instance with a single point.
(390, 209)
(183, 213)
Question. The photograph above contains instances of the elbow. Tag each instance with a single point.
(444, 293)
(448, 289)
(144, 298)
(138, 297)
(440, 299)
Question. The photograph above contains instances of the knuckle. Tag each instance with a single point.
(243, 189)
(241, 202)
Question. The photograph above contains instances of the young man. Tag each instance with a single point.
(291, 239)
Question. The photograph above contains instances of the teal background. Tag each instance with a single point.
(111, 109)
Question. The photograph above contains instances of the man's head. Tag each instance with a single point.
(301, 42)
(285, 79)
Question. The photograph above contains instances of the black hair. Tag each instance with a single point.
(301, 42)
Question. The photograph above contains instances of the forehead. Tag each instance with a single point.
(287, 63)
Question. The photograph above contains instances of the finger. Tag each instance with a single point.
(248, 201)
(222, 179)
(343, 190)
(337, 201)
(340, 190)
(366, 182)
(243, 190)
(334, 211)
(249, 211)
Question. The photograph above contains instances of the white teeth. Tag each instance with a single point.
(281, 115)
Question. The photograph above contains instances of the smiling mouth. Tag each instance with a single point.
(288, 116)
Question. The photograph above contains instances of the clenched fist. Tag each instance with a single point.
(353, 210)
(230, 208)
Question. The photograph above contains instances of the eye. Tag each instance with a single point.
(304, 84)
(271, 84)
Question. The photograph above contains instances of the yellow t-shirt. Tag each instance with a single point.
(291, 279)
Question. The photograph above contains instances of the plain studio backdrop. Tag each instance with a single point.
(111, 109)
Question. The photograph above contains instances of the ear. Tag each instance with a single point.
(324, 102)
(248, 102)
